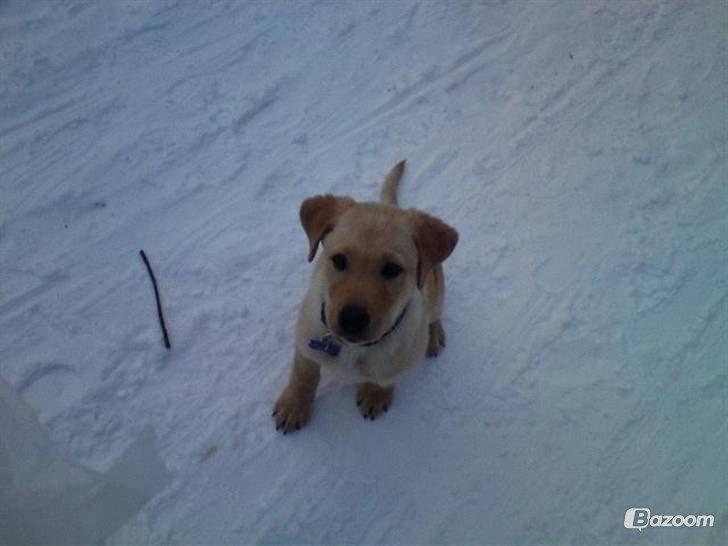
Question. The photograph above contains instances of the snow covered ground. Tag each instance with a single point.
(578, 147)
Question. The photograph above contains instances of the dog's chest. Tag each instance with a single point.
(350, 365)
(357, 365)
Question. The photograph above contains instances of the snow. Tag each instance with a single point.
(48, 499)
(579, 149)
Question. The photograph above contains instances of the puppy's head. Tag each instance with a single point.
(375, 256)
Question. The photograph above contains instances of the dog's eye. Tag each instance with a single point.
(339, 261)
(391, 270)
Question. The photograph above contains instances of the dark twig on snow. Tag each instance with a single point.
(156, 295)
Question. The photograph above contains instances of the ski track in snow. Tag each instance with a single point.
(580, 150)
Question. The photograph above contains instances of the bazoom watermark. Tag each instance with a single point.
(639, 518)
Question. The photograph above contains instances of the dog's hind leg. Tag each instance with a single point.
(437, 338)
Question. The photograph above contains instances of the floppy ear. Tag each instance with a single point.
(319, 215)
(435, 240)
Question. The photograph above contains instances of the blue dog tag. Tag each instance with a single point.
(325, 345)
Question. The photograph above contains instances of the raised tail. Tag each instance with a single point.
(388, 194)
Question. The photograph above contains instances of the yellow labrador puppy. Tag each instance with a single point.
(375, 300)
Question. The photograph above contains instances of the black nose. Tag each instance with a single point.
(353, 319)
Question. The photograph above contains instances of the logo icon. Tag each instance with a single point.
(637, 518)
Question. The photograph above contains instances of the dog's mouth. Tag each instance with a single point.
(355, 340)
(351, 339)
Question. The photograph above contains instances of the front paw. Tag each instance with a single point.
(373, 399)
(292, 410)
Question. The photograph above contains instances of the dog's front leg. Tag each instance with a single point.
(293, 407)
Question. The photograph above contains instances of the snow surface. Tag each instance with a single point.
(579, 149)
(47, 499)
